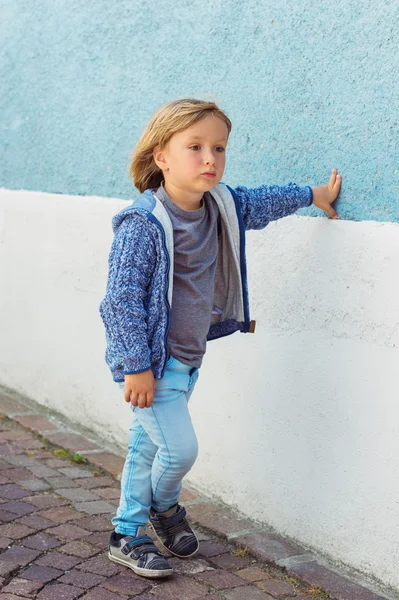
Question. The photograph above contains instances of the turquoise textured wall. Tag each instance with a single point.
(308, 85)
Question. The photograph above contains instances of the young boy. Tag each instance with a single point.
(177, 278)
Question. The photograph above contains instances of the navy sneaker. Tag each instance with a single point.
(173, 531)
(139, 553)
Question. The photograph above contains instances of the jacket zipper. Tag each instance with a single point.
(243, 265)
(168, 307)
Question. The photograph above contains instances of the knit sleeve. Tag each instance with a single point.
(263, 204)
(131, 264)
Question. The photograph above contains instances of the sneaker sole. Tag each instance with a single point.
(139, 570)
(171, 551)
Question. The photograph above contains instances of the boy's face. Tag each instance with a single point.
(193, 152)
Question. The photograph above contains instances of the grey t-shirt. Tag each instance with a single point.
(195, 257)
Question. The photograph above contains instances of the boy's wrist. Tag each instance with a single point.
(310, 195)
(137, 372)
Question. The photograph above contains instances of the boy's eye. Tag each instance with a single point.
(218, 148)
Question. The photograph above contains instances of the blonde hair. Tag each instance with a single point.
(171, 118)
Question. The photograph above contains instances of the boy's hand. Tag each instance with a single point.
(324, 195)
(140, 389)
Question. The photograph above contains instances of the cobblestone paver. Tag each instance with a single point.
(55, 521)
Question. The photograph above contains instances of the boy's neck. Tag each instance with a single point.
(184, 199)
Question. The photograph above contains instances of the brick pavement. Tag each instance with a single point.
(55, 524)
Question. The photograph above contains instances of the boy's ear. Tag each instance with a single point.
(160, 158)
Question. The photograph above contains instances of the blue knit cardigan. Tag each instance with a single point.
(136, 309)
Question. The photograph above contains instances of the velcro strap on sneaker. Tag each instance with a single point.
(145, 549)
(166, 522)
(136, 543)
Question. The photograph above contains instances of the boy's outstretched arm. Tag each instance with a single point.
(263, 204)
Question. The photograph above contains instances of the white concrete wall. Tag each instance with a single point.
(297, 424)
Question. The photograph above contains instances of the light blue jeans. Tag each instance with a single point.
(162, 449)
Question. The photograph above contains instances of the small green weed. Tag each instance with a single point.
(241, 552)
(316, 593)
(61, 453)
(292, 581)
(78, 458)
(65, 454)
